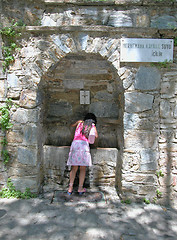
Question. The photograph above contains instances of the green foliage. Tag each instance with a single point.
(9, 35)
(159, 173)
(5, 125)
(11, 192)
(126, 201)
(165, 64)
(5, 115)
(175, 41)
(147, 201)
(158, 193)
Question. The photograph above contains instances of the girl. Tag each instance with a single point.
(80, 151)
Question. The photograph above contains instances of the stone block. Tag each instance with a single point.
(164, 22)
(21, 183)
(130, 162)
(133, 121)
(30, 134)
(140, 139)
(83, 39)
(12, 80)
(175, 111)
(119, 19)
(168, 89)
(2, 88)
(103, 96)
(2, 74)
(14, 137)
(55, 158)
(142, 21)
(73, 84)
(48, 21)
(59, 109)
(165, 109)
(148, 160)
(16, 65)
(14, 93)
(104, 109)
(25, 115)
(27, 156)
(147, 78)
(61, 44)
(138, 102)
(102, 172)
(28, 98)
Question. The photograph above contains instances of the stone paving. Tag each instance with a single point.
(48, 218)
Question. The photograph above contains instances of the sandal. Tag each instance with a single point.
(82, 192)
(68, 192)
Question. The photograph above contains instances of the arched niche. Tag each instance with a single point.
(61, 88)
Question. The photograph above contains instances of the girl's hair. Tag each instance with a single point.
(89, 119)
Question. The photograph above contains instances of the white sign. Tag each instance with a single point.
(146, 50)
(84, 97)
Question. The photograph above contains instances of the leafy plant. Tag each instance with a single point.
(147, 201)
(9, 35)
(5, 125)
(175, 41)
(159, 173)
(127, 201)
(11, 192)
(165, 64)
(158, 193)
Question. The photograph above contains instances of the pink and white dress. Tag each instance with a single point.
(79, 154)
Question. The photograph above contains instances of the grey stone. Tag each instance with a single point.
(104, 109)
(147, 78)
(73, 84)
(43, 45)
(83, 38)
(175, 111)
(55, 158)
(2, 89)
(140, 139)
(47, 21)
(12, 80)
(21, 183)
(164, 22)
(127, 82)
(27, 156)
(119, 19)
(102, 95)
(30, 134)
(138, 102)
(148, 160)
(131, 120)
(2, 74)
(165, 109)
(61, 45)
(24, 116)
(59, 109)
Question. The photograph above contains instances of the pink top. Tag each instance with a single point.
(78, 133)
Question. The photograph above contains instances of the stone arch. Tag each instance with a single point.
(65, 47)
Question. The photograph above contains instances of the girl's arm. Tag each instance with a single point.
(96, 133)
(76, 123)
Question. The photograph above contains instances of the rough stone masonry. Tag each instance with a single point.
(68, 46)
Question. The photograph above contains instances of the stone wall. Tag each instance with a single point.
(73, 45)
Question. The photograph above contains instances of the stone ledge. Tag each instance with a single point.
(113, 2)
(133, 31)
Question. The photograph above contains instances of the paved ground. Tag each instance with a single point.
(51, 218)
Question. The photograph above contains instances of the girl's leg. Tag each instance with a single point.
(81, 178)
(72, 177)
